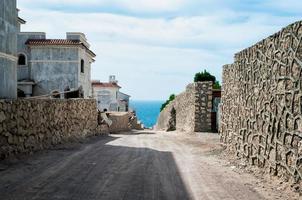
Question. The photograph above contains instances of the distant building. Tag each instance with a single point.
(51, 66)
(8, 49)
(108, 96)
(123, 101)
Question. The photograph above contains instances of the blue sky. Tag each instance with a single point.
(155, 47)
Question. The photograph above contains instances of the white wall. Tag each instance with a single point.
(108, 102)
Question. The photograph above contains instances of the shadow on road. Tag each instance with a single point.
(93, 170)
(136, 132)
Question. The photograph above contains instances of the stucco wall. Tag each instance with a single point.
(106, 97)
(54, 68)
(8, 27)
(261, 117)
(30, 125)
(192, 110)
(24, 71)
(85, 78)
(8, 49)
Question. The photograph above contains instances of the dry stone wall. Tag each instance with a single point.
(120, 122)
(261, 108)
(30, 125)
(190, 111)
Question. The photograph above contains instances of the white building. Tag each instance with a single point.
(109, 97)
(51, 66)
(8, 49)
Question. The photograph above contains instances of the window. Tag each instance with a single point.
(82, 66)
(22, 59)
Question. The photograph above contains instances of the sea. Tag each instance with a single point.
(147, 111)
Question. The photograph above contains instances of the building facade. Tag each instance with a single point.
(123, 101)
(8, 49)
(109, 97)
(52, 66)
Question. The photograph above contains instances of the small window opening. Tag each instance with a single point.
(82, 66)
(22, 59)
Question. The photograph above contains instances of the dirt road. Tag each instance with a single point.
(144, 165)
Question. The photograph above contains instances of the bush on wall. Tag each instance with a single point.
(206, 76)
(171, 98)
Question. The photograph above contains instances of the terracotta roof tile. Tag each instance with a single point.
(47, 42)
(53, 42)
(100, 84)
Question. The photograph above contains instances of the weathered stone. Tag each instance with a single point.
(190, 110)
(10, 139)
(2, 116)
(32, 126)
(263, 85)
(8, 80)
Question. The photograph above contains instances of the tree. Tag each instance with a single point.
(206, 76)
(171, 98)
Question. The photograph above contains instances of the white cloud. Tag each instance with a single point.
(286, 6)
(151, 5)
(133, 5)
(154, 57)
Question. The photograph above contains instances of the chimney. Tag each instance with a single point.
(112, 79)
(77, 36)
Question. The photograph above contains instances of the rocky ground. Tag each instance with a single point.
(135, 166)
(264, 182)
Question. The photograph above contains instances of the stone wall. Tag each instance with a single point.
(30, 125)
(190, 111)
(120, 122)
(203, 106)
(8, 49)
(261, 117)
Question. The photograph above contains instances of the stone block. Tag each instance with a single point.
(2, 116)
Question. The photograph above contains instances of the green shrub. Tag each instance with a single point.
(171, 98)
(217, 85)
(206, 76)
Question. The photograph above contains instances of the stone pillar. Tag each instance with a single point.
(203, 106)
(8, 49)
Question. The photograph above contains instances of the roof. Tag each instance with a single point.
(125, 94)
(105, 85)
(21, 21)
(58, 42)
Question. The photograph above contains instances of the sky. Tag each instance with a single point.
(154, 47)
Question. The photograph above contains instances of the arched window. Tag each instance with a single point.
(21, 93)
(22, 59)
(82, 66)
